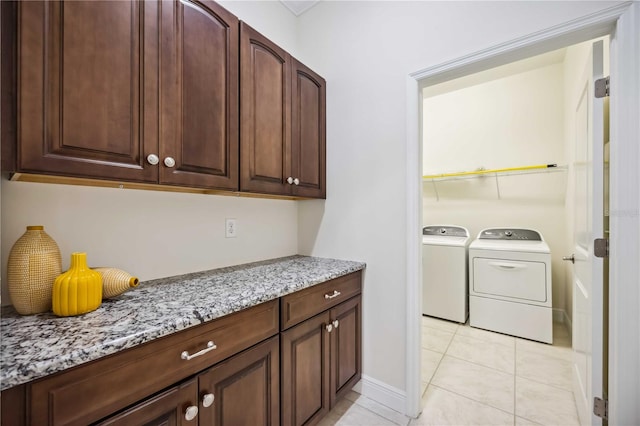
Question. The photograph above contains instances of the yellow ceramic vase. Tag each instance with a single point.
(34, 263)
(115, 281)
(77, 291)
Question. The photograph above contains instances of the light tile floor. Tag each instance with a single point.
(476, 377)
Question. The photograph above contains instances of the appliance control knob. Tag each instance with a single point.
(508, 233)
(443, 231)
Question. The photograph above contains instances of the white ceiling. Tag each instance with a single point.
(298, 7)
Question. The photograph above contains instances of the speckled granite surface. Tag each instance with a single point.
(38, 345)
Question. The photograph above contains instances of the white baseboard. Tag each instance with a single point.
(560, 316)
(567, 322)
(382, 393)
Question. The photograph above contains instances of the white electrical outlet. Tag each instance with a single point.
(231, 228)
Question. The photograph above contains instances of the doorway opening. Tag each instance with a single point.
(518, 119)
(621, 20)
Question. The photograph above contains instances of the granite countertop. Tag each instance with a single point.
(38, 345)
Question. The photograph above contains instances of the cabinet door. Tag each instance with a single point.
(87, 88)
(308, 141)
(305, 371)
(265, 114)
(199, 95)
(245, 388)
(167, 409)
(346, 357)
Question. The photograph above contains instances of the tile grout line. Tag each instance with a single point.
(464, 396)
(479, 365)
(470, 399)
(379, 414)
(546, 384)
(515, 369)
(371, 411)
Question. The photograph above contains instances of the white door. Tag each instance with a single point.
(588, 225)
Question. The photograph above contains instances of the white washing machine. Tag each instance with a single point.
(510, 283)
(444, 272)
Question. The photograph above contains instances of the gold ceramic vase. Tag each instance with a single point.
(34, 263)
(115, 281)
(77, 291)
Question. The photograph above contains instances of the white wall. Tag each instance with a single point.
(270, 18)
(506, 122)
(366, 51)
(157, 234)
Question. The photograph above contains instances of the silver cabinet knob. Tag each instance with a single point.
(207, 400)
(336, 323)
(571, 258)
(190, 413)
(169, 162)
(296, 181)
(153, 159)
(329, 327)
(290, 180)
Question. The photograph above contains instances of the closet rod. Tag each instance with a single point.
(483, 172)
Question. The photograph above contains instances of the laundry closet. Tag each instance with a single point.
(498, 148)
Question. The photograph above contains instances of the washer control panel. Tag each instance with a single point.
(445, 231)
(510, 234)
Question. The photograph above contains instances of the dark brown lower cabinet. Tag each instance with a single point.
(266, 367)
(245, 388)
(321, 360)
(345, 348)
(305, 371)
(169, 408)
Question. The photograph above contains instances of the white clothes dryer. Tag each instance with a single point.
(510, 283)
(444, 272)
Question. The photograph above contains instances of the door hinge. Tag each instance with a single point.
(601, 247)
(602, 87)
(601, 408)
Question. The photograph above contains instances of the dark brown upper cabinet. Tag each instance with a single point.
(177, 93)
(265, 114)
(282, 115)
(134, 91)
(87, 92)
(199, 95)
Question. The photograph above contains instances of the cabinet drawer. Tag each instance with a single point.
(297, 307)
(90, 392)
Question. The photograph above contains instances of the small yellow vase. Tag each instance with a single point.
(115, 281)
(77, 291)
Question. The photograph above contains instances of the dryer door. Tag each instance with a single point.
(518, 280)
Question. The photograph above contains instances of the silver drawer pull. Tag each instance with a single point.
(336, 293)
(336, 323)
(210, 346)
(329, 327)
